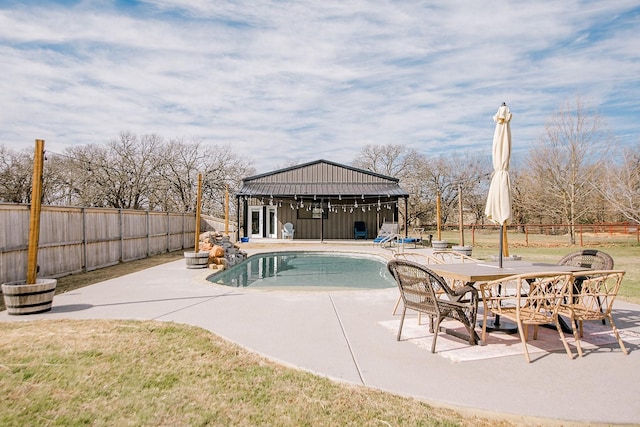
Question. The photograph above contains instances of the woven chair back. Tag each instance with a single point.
(418, 285)
(597, 290)
(589, 258)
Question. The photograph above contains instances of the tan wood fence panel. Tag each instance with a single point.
(84, 239)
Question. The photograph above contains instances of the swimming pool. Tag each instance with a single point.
(308, 271)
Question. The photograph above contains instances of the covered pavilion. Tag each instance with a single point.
(322, 200)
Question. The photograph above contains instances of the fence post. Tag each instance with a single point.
(146, 214)
(526, 235)
(168, 233)
(84, 239)
(121, 225)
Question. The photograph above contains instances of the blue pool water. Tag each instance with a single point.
(308, 270)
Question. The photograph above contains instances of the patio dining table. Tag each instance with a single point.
(473, 273)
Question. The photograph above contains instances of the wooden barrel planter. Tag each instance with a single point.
(465, 250)
(197, 259)
(440, 245)
(23, 298)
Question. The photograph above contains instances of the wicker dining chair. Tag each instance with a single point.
(527, 299)
(420, 259)
(426, 292)
(592, 259)
(588, 258)
(593, 301)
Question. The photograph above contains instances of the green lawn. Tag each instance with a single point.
(624, 250)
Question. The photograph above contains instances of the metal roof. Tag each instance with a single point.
(322, 189)
(322, 178)
(309, 165)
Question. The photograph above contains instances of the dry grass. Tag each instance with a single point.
(153, 373)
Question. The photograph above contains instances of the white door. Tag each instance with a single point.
(272, 222)
(255, 221)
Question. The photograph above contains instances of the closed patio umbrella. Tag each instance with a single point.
(498, 209)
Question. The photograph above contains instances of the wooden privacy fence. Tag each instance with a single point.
(73, 240)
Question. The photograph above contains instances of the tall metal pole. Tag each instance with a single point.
(198, 204)
(36, 206)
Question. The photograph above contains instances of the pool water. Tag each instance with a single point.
(309, 271)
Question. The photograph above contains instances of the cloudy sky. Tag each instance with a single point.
(297, 81)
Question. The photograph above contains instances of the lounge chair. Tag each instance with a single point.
(387, 231)
(288, 231)
(359, 230)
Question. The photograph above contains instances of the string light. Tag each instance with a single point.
(334, 207)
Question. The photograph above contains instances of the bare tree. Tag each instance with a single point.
(130, 172)
(391, 160)
(621, 183)
(451, 175)
(16, 172)
(225, 170)
(178, 168)
(563, 163)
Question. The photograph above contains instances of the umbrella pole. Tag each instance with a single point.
(500, 256)
(495, 325)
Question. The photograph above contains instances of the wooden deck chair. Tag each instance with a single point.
(592, 259)
(593, 299)
(528, 300)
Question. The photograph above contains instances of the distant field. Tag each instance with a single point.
(624, 249)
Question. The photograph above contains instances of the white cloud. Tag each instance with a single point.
(308, 80)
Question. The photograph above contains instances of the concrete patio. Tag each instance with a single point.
(349, 336)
